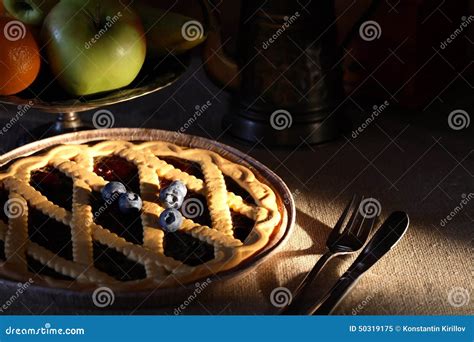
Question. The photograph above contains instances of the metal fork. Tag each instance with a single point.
(344, 239)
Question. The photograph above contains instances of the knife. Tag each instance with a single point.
(386, 237)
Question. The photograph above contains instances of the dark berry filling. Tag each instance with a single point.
(2, 250)
(3, 200)
(191, 168)
(234, 187)
(108, 215)
(118, 169)
(242, 225)
(116, 264)
(4, 218)
(55, 185)
(49, 233)
(185, 248)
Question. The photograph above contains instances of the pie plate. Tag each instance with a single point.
(42, 295)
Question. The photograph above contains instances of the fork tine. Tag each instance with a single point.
(349, 227)
(338, 226)
(365, 229)
(342, 218)
(361, 230)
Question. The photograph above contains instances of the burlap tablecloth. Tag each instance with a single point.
(409, 161)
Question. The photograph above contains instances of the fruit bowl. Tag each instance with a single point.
(49, 97)
(149, 45)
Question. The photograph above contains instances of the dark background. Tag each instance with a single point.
(409, 159)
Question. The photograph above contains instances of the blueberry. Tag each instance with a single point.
(129, 202)
(179, 186)
(171, 220)
(112, 190)
(171, 197)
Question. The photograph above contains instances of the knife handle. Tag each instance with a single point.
(337, 293)
(293, 308)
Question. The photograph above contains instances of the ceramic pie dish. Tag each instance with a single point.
(68, 240)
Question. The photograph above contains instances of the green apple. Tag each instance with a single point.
(31, 12)
(94, 46)
(169, 32)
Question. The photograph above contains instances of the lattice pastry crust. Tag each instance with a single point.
(77, 162)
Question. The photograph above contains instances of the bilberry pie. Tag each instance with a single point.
(56, 227)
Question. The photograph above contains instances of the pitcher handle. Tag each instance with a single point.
(222, 68)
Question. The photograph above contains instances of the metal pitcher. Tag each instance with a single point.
(286, 76)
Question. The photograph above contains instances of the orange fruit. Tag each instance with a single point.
(19, 57)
